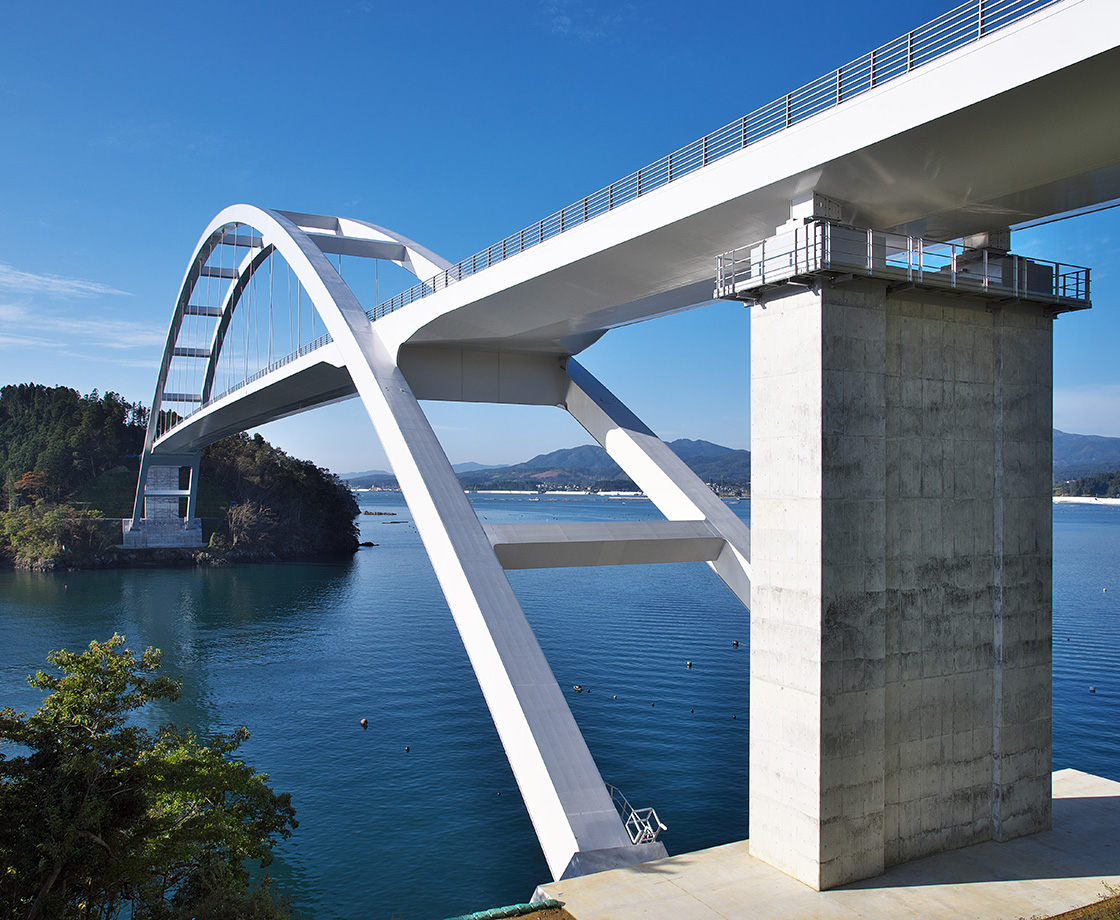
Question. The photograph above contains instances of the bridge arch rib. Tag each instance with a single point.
(576, 822)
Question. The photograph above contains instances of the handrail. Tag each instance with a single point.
(824, 246)
(961, 26)
(642, 824)
(275, 365)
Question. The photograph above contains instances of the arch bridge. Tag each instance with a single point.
(900, 422)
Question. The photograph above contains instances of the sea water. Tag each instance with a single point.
(419, 817)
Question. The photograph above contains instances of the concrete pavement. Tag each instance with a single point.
(1069, 866)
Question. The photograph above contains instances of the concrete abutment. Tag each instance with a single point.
(900, 600)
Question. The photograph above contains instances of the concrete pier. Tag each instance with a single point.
(900, 603)
(159, 495)
(1069, 866)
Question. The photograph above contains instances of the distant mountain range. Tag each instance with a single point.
(1077, 455)
(587, 466)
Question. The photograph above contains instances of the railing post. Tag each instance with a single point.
(787, 110)
(839, 91)
(704, 151)
(909, 51)
(872, 83)
(979, 18)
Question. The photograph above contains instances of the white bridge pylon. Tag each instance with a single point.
(575, 820)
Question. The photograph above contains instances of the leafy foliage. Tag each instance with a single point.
(1105, 485)
(40, 532)
(102, 813)
(282, 505)
(55, 443)
(62, 439)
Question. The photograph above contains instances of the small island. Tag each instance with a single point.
(69, 465)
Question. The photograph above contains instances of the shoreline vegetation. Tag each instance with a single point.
(68, 471)
(103, 817)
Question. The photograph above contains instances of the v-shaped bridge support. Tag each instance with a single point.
(577, 824)
(571, 809)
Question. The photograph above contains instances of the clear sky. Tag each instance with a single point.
(125, 127)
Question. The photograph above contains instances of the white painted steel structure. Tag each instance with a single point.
(936, 134)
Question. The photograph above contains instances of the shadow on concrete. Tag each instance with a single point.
(1083, 843)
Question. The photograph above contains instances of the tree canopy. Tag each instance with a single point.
(101, 814)
(55, 442)
(52, 440)
(1104, 485)
(282, 504)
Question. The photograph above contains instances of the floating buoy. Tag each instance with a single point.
(578, 688)
(365, 724)
(692, 710)
(688, 664)
(735, 642)
(614, 697)
(407, 749)
(1092, 689)
(653, 704)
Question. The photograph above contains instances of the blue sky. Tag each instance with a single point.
(125, 127)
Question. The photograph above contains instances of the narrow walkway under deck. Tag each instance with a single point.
(1066, 867)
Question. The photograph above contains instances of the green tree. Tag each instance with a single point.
(282, 504)
(42, 533)
(101, 813)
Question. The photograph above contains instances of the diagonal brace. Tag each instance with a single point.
(668, 481)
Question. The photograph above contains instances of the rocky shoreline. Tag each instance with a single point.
(160, 558)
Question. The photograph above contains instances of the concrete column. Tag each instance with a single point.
(900, 600)
(162, 507)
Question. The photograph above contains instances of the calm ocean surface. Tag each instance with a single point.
(301, 653)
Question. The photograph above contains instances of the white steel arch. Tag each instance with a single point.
(572, 812)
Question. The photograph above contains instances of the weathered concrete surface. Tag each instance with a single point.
(1034, 876)
(900, 605)
(162, 524)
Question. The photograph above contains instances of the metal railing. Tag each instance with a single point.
(642, 824)
(275, 365)
(961, 26)
(822, 246)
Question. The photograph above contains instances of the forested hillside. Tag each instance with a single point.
(1103, 485)
(1080, 455)
(61, 440)
(279, 504)
(57, 446)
